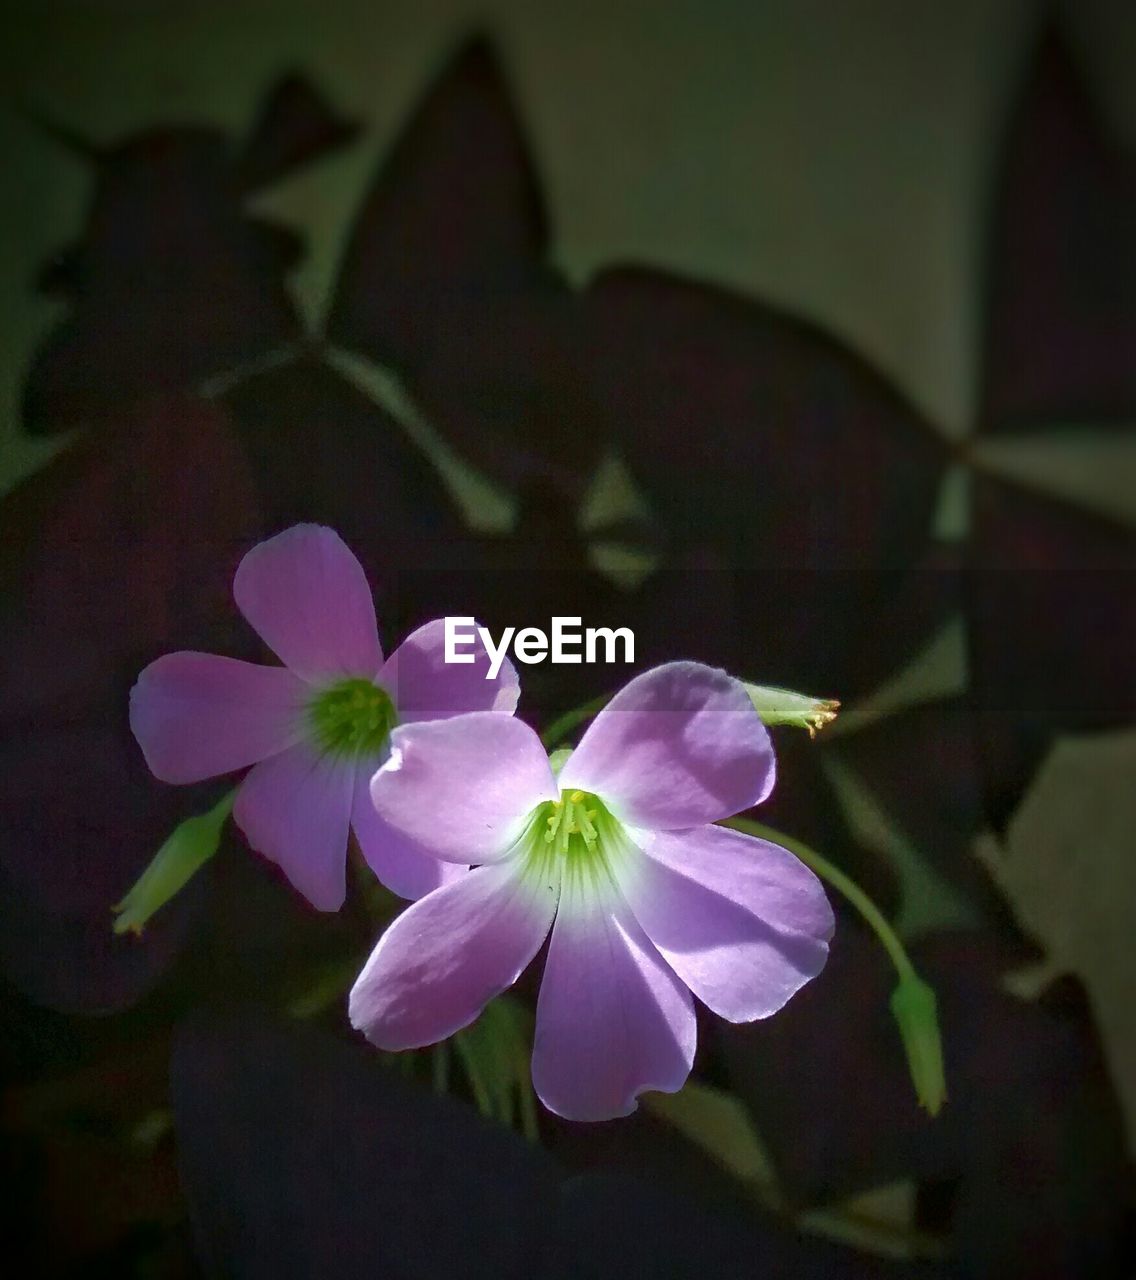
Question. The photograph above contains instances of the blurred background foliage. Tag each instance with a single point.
(799, 337)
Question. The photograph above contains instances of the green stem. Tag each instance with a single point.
(913, 1004)
(847, 886)
(440, 1067)
(563, 725)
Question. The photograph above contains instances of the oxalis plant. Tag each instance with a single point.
(623, 850)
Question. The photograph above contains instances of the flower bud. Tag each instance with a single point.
(188, 847)
(783, 706)
(914, 1008)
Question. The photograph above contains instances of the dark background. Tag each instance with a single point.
(798, 337)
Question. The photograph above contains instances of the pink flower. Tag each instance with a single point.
(647, 902)
(316, 729)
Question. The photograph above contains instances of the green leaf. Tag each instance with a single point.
(324, 987)
(563, 725)
(495, 1054)
(928, 900)
(937, 671)
(720, 1124)
(881, 1222)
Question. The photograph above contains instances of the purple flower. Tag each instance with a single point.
(650, 901)
(316, 729)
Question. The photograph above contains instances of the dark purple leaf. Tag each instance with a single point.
(296, 126)
(627, 1229)
(170, 283)
(540, 570)
(687, 609)
(74, 962)
(263, 942)
(729, 408)
(828, 1086)
(1030, 1135)
(445, 279)
(303, 1155)
(319, 449)
(921, 766)
(758, 434)
(1061, 318)
(804, 805)
(122, 548)
(82, 815)
(517, 404)
(1052, 626)
(1052, 618)
(455, 218)
(645, 1148)
(912, 607)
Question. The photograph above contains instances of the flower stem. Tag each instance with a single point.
(563, 725)
(913, 1004)
(440, 1067)
(837, 878)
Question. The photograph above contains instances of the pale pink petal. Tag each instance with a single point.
(450, 953)
(679, 746)
(197, 715)
(463, 788)
(612, 1019)
(401, 865)
(295, 809)
(424, 686)
(742, 922)
(306, 596)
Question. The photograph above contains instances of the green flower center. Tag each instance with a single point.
(352, 718)
(577, 832)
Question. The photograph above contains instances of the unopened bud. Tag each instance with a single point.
(189, 846)
(783, 706)
(914, 1008)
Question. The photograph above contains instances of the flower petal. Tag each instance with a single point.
(463, 788)
(450, 953)
(424, 686)
(613, 1019)
(401, 865)
(295, 809)
(197, 715)
(306, 596)
(679, 746)
(743, 922)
